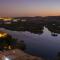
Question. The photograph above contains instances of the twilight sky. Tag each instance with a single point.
(29, 8)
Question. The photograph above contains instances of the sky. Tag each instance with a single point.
(13, 8)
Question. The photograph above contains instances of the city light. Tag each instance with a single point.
(6, 18)
(2, 34)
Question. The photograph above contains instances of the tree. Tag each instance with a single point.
(7, 42)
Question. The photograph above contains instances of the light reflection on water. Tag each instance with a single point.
(44, 45)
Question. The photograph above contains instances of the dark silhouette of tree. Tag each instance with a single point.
(7, 41)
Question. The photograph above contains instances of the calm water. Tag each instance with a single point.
(45, 44)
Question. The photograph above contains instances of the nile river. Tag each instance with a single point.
(46, 44)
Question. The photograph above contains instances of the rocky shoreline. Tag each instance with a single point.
(17, 54)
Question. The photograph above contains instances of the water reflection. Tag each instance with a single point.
(54, 27)
(45, 44)
(34, 27)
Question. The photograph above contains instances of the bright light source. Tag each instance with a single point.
(3, 34)
(5, 58)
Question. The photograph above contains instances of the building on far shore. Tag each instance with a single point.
(5, 20)
(23, 20)
(15, 20)
(8, 20)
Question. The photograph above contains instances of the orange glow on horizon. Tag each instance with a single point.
(32, 13)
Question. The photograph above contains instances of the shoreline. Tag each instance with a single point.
(17, 54)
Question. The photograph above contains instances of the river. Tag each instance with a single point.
(44, 45)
